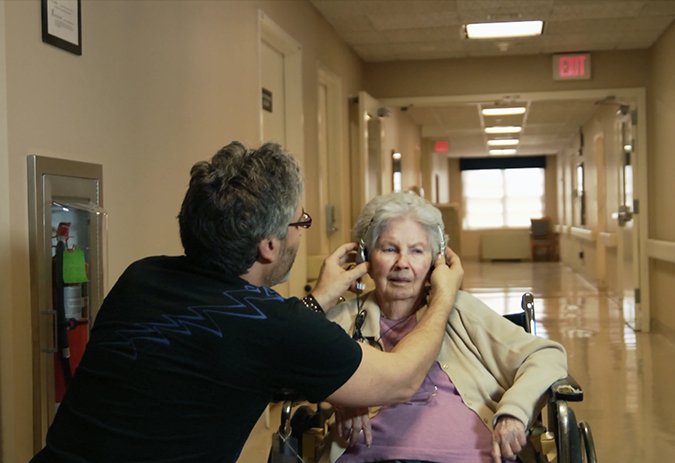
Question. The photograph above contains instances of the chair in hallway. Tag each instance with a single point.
(543, 238)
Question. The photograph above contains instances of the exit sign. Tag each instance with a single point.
(575, 66)
(441, 147)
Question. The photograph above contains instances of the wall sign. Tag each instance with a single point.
(62, 24)
(576, 66)
(267, 100)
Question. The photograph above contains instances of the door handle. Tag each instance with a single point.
(624, 215)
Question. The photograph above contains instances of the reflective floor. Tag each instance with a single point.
(627, 377)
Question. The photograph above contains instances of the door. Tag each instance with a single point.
(281, 116)
(333, 210)
(367, 157)
(629, 233)
(280, 103)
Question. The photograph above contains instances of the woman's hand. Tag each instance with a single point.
(508, 438)
(350, 422)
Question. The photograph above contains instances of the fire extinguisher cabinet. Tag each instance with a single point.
(68, 257)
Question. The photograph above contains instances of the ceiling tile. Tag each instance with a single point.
(503, 10)
(423, 115)
(414, 21)
(651, 22)
(584, 9)
(405, 7)
(446, 34)
(587, 26)
(366, 37)
(658, 8)
(345, 24)
(376, 52)
(432, 54)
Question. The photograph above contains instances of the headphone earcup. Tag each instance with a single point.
(361, 253)
(442, 241)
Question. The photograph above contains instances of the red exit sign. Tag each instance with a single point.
(575, 66)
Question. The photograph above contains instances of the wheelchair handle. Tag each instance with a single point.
(285, 427)
(527, 303)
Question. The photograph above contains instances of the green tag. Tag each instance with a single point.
(74, 268)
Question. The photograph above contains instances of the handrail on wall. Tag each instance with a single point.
(583, 233)
(661, 250)
(610, 240)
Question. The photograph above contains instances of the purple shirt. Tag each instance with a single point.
(434, 426)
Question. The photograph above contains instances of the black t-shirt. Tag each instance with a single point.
(181, 363)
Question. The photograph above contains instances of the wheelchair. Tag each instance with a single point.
(298, 439)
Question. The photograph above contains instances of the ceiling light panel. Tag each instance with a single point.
(503, 142)
(502, 152)
(503, 129)
(504, 29)
(510, 111)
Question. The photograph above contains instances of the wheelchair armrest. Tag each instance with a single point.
(566, 389)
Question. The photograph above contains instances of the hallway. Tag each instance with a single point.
(627, 377)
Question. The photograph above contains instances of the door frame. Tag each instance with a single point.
(335, 164)
(366, 108)
(633, 94)
(274, 35)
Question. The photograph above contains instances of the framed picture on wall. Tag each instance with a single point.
(62, 24)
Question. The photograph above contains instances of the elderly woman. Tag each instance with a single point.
(482, 391)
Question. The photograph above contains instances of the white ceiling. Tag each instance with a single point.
(548, 125)
(387, 30)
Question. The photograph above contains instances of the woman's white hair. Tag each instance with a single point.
(382, 209)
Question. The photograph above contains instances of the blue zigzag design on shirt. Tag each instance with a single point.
(184, 324)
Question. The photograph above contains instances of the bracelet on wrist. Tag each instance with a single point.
(311, 303)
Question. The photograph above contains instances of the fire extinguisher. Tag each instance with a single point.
(71, 304)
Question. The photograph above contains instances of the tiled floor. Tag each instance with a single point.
(627, 377)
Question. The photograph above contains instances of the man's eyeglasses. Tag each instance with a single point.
(304, 222)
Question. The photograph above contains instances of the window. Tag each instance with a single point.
(495, 198)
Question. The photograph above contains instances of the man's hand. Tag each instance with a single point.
(447, 275)
(334, 280)
(350, 422)
(508, 438)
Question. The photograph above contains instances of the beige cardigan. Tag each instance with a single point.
(497, 368)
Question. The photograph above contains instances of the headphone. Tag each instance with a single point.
(362, 251)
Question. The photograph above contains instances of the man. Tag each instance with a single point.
(187, 351)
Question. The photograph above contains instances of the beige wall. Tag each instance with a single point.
(661, 138)
(160, 86)
(502, 74)
(7, 386)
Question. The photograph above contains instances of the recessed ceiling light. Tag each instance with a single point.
(503, 129)
(498, 152)
(503, 142)
(513, 110)
(504, 29)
